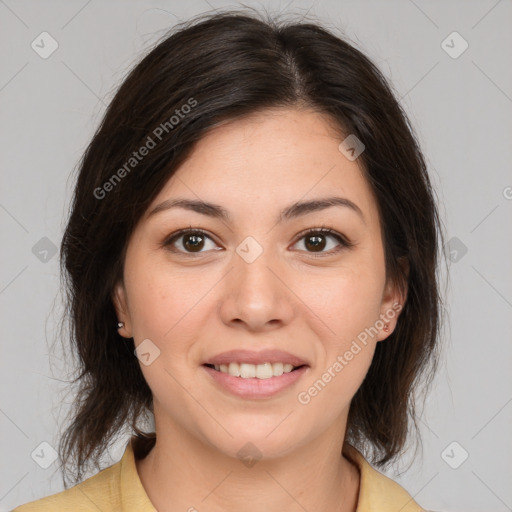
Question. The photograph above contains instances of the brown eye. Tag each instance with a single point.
(316, 241)
(188, 241)
(193, 242)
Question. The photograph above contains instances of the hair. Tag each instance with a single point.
(225, 66)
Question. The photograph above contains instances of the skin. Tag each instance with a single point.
(196, 304)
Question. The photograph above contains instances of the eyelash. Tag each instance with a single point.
(343, 241)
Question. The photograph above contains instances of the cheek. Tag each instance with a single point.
(159, 300)
(151, 307)
(348, 308)
(347, 302)
(170, 309)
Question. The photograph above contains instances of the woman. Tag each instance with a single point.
(251, 258)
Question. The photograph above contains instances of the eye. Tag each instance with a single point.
(315, 239)
(190, 241)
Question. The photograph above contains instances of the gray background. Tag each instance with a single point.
(461, 109)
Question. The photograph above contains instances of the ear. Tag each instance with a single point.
(393, 302)
(122, 311)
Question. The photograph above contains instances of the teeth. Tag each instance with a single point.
(277, 369)
(234, 369)
(247, 371)
(260, 371)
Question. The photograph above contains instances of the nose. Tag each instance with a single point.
(256, 295)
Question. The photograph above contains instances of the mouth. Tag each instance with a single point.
(255, 371)
(254, 381)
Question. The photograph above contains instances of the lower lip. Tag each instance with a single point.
(254, 387)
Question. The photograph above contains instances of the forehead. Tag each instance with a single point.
(268, 159)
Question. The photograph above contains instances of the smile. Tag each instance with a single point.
(259, 371)
(254, 381)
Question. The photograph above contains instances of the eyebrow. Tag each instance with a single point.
(293, 211)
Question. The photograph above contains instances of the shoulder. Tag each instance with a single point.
(377, 492)
(99, 492)
(117, 487)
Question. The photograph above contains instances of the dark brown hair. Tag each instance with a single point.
(225, 66)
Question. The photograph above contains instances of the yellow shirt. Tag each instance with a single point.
(118, 488)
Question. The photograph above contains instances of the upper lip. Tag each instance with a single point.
(252, 357)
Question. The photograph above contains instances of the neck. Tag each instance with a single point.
(183, 473)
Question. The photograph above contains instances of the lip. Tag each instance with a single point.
(252, 357)
(254, 388)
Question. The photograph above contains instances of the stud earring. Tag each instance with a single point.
(386, 327)
(120, 325)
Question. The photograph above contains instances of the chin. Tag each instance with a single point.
(257, 440)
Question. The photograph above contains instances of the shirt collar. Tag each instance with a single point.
(377, 492)
(133, 494)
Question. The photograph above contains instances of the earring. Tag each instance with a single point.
(386, 327)
(120, 325)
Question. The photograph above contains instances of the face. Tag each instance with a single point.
(262, 278)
